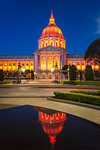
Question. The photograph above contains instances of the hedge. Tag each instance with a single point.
(68, 82)
(7, 82)
(1, 75)
(82, 82)
(87, 92)
(79, 97)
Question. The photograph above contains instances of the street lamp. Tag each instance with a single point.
(23, 69)
(68, 73)
(19, 72)
(52, 69)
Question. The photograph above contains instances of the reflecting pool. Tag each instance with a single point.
(30, 128)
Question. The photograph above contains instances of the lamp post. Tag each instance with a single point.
(56, 70)
(68, 73)
(23, 69)
(19, 73)
(52, 69)
(23, 72)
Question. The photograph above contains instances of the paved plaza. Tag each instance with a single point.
(37, 94)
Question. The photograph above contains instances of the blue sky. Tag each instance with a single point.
(22, 23)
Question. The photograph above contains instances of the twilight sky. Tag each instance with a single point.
(22, 23)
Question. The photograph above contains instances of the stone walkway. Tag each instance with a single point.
(19, 95)
(90, 114)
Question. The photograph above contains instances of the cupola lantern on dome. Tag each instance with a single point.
(52, 20)
(52, 35)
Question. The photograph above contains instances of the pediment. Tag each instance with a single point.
(50, 48)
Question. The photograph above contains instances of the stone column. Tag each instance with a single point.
(62, 60)
(40, 62)
(46, 62)
(35, 62)
(53, 61)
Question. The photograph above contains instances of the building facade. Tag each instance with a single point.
(50, 57)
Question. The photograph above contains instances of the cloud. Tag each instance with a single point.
(98, 25)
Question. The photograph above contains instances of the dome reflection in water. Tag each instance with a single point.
(52, 122)
(35, 128)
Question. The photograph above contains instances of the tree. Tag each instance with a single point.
(64, 69)
(32, 74)
(1, 75)
(93, 52)
(27, 71)
(72, 72)
(89, 73)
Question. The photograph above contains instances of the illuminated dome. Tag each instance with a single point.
(52, 35)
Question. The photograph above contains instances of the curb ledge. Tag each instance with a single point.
(74, 103)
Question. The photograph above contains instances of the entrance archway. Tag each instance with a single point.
(50, 75)
(56, 75)
(43, 75)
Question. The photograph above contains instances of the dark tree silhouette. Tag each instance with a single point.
(1, 75)
(89, 73)
(64, 69)
(72, 72)
(93, 52)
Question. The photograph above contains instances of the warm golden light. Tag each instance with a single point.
(0, 67)
(43, 62)
(52, 35)
(27, 68)
(52, 69)
(83, 67)
(97, 67)
(31, 68)
(93, 67)
(56, 62)
(50, 62)
(78, 67)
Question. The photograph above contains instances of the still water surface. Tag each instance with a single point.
(34, 128)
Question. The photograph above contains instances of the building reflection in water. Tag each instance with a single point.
(52, 122)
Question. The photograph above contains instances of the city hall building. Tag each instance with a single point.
(50, 57)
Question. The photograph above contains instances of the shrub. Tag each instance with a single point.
(15, 74)
(1, 75)
(97, 74)
(89, 73)
(72, 72)
(68, 82)
(79, 97)
(82, 82)
(87, 92)
(64, 69)
(32, 74)
(10, 74)
(7, 82)
(27, 71)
